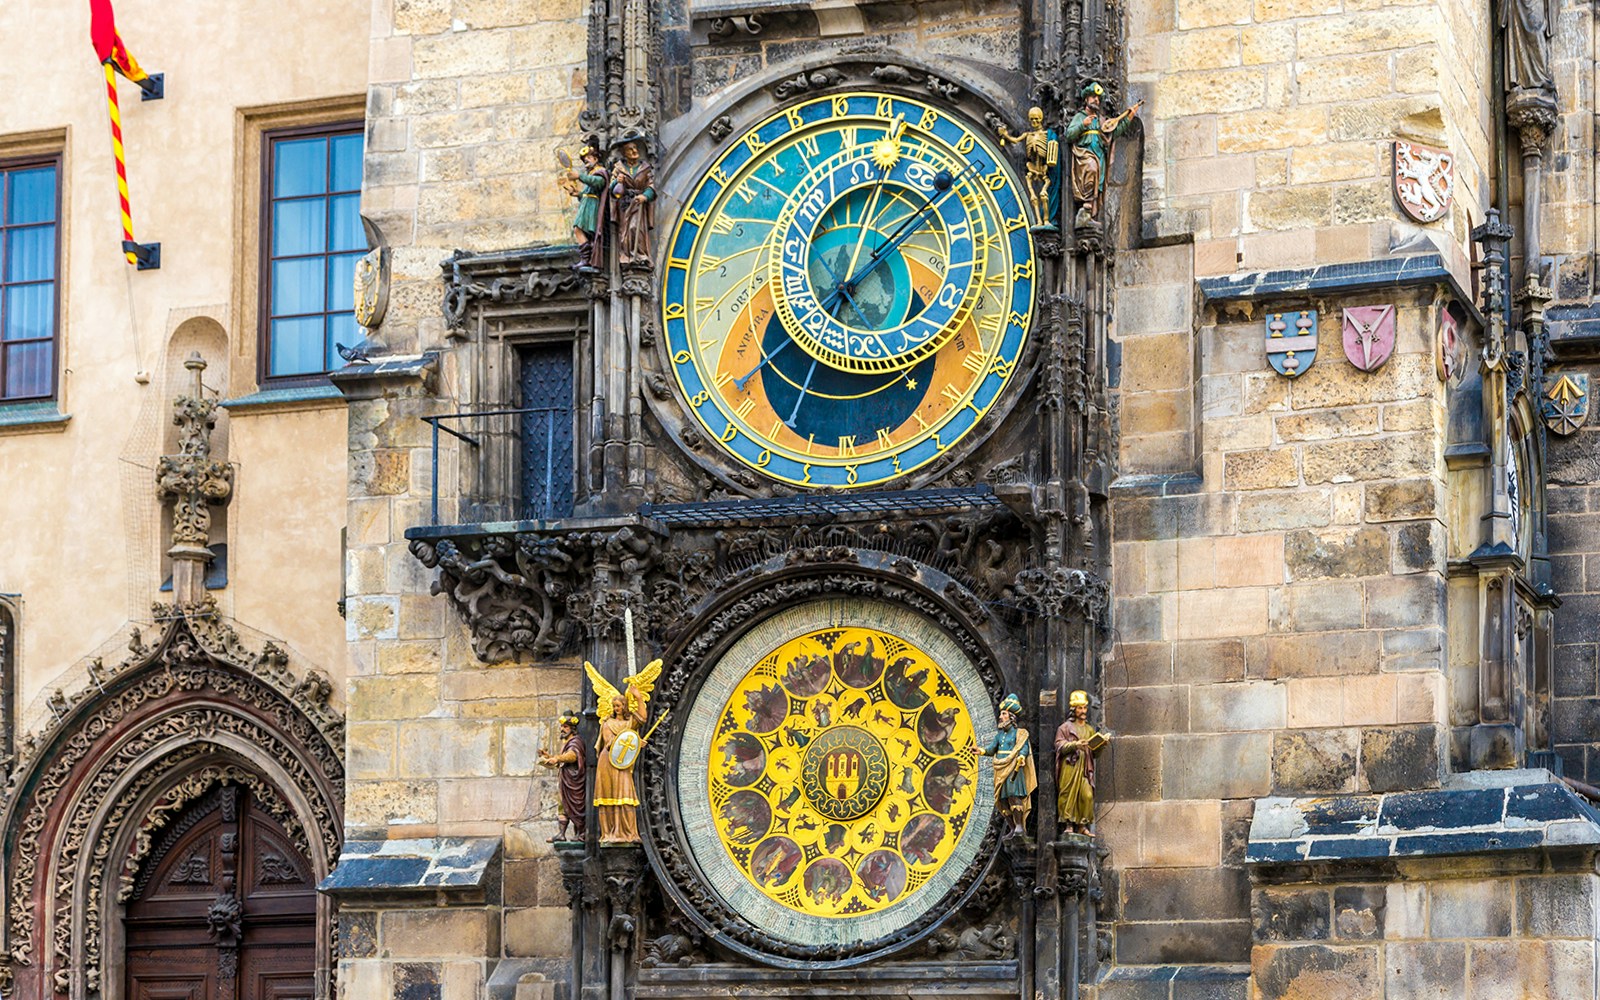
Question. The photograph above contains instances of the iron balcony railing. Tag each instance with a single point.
(517, 464)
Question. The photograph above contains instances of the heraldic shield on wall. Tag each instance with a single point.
(1291, 341)
(1424, 180)
(1369, 335)
(1565, 405)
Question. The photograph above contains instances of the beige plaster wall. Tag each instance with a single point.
(78, 504)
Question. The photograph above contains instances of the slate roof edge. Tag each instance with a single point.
(368, 379)
(427, 866)
(1493, 817)
(1381, 272)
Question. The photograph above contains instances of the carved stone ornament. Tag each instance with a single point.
(1565, 404)
(1369, 333)
(506, 279)
(192, 479)
(1424, 180)
(1291, 341)
(536, 593)
(372, 287)
(177, 718)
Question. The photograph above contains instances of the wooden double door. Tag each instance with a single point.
(224, 908)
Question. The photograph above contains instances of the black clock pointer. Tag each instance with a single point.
(945, 183)
(739, 383)
(838, 286)
(804, 389)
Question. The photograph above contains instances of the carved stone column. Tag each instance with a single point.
(1074, 873)
(1534, 114)
(624, 867)
(573, 858)
(1496, 739)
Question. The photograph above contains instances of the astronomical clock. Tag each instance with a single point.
(835, 326)
(848, 290)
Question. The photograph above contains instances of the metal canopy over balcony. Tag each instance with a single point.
(823, 508)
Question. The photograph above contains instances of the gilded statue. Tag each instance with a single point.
(1091, 136)
(1076, 744)
(1015, 776)
(1042, 155)
(622, 718)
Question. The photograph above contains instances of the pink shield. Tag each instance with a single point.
(1369, 336)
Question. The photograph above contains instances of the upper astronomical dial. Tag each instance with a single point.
(848, 290)
(844, 287)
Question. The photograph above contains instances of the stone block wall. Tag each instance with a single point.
(1449, 930)
(1280, 606)
(1567, 221)
(1574, 504)
(1268, 121)
(468, 101)
(440, 743)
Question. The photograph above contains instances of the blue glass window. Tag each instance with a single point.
(312, 241)
(29, 209)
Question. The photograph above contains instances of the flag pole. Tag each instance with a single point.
(122, 167)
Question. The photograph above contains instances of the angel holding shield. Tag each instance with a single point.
(621, 718)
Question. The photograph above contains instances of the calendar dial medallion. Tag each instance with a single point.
(829, 780)
(849, 289)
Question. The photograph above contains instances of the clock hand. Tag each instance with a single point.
(861, 233)
(803, 390)
(739, 383)
(947, 185)
(839, 286)
(891, 135)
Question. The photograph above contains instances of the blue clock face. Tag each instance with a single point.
(849, 289)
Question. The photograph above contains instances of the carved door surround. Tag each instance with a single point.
(191, 713)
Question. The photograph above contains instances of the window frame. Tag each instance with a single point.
(270, 137)
(54, 160)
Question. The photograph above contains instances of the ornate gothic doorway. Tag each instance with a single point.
(223, 908)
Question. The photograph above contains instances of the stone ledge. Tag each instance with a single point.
(1479, 812)
(1158, 485)
(32, 418)
(400, 374)
(464, 869)
(519, 978)
(1574, 331)
(1384, 272)
(881, 979)
(299, 397)
(1179, 982)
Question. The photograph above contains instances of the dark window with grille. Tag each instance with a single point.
(29, 213)
(546, 448)
(311, 239)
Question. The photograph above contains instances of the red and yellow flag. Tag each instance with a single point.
(108, 45)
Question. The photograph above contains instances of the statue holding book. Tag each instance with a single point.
(1076, 744)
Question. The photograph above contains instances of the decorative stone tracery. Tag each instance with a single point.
(177, 718)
